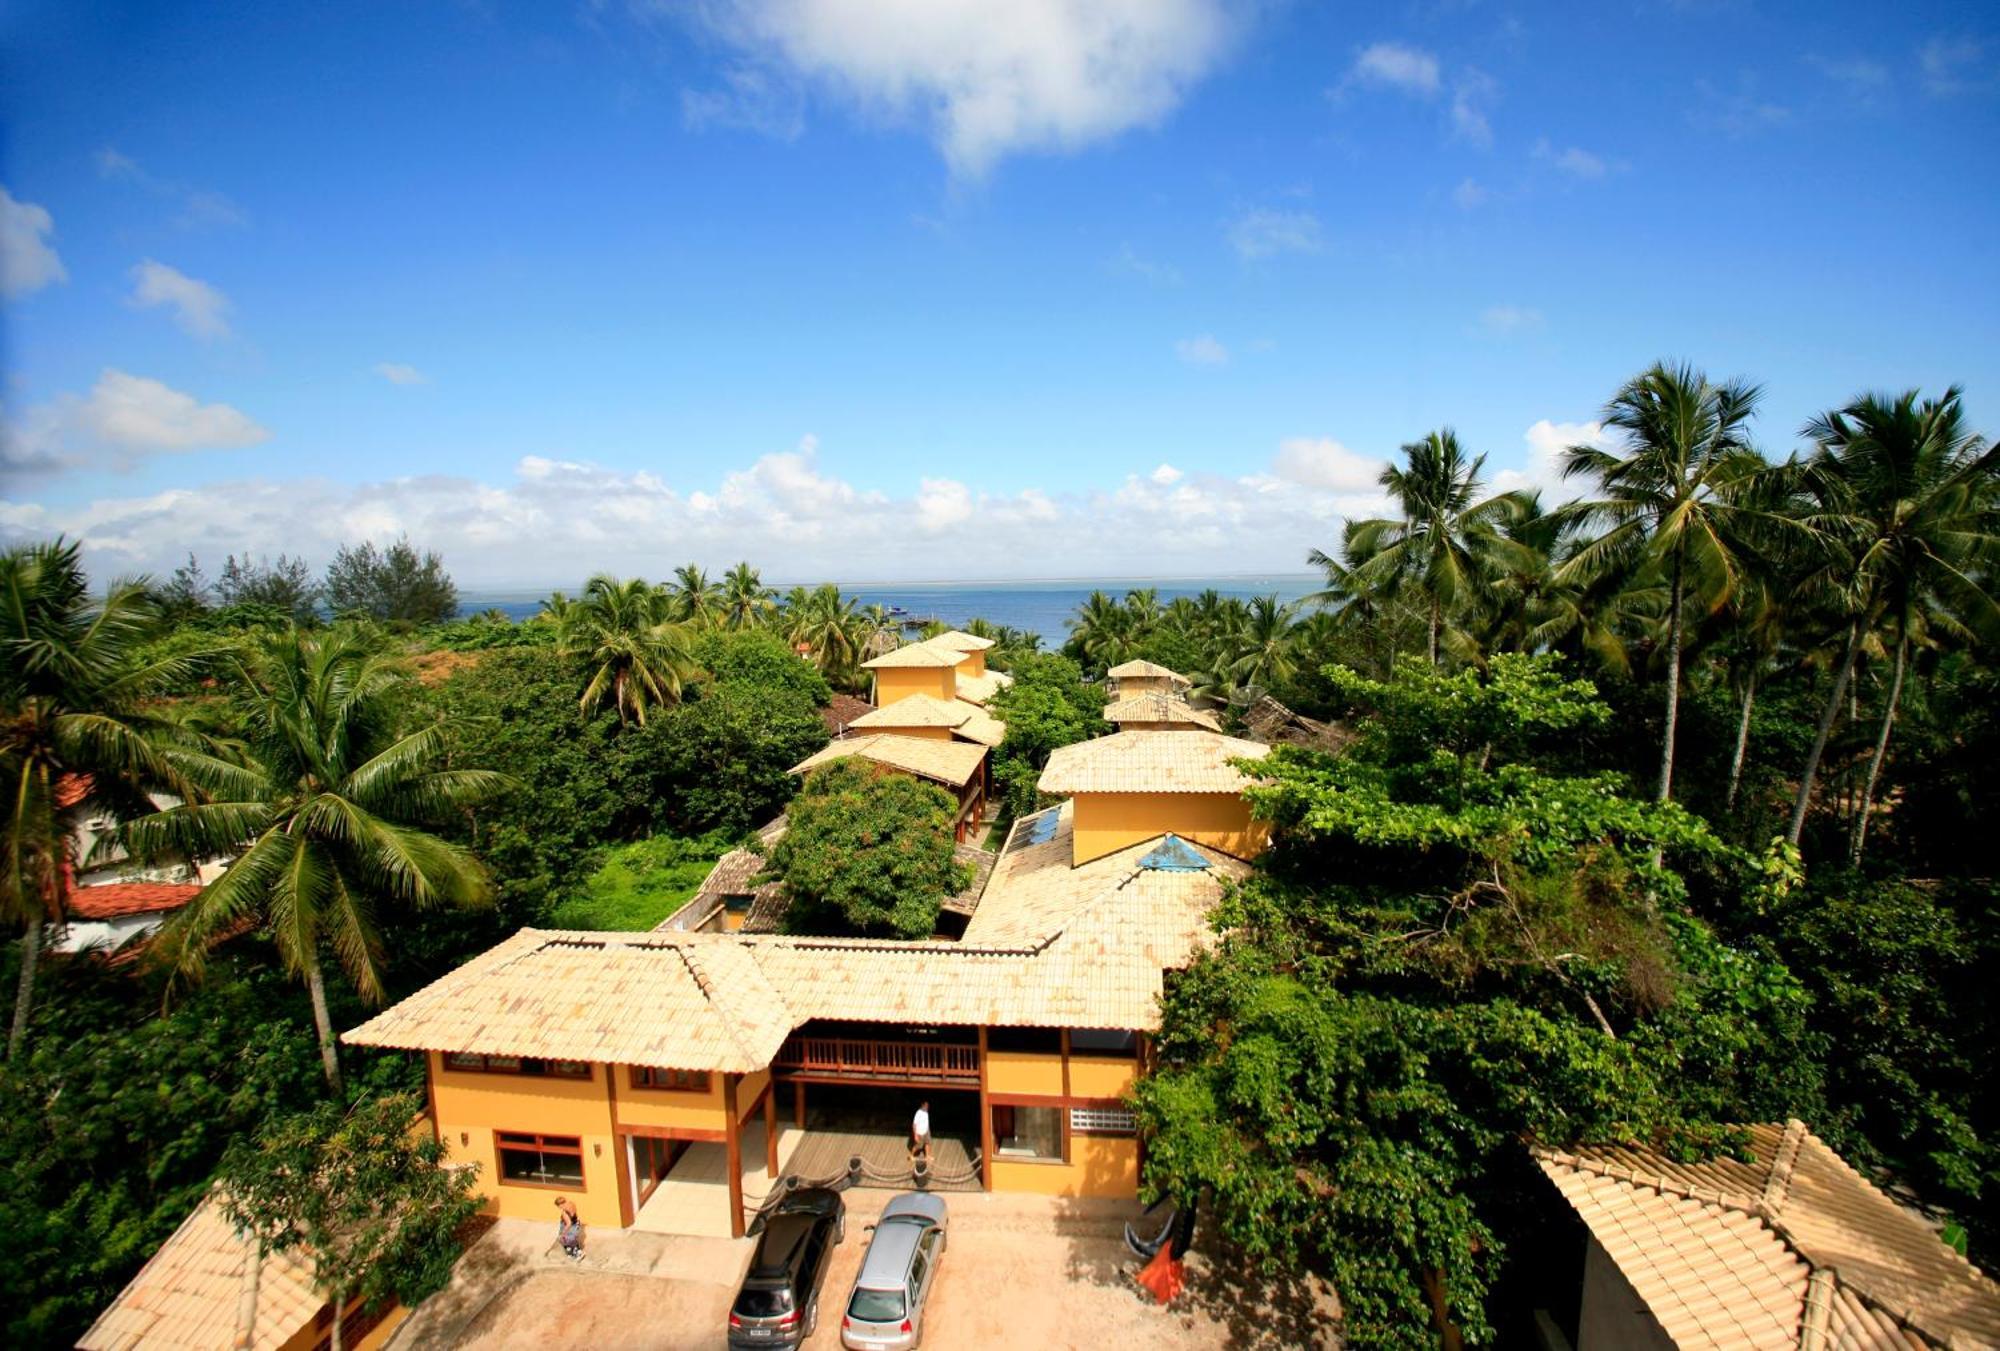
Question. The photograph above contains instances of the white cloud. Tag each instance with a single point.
(1262, 233)
(399, 373)
(200, 309)
(1392, 65)
(988, 80)
(28, 260)
(1502, 321)
(787, 512)
(1127, 263)
(1861, 78)
(1543, 469)
(122, 418)
(1201, 351)
(199, 208)
(1322, 462)
(1472, 94)
(1469, 194)
(1949, 64)
(1741, 111)
(1575, 160)
(750, 100)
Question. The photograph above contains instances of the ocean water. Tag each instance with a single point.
(1038, 607)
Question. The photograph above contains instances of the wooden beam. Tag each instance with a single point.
(733, 1157)
(627, 1211)
(770, 1132)
(985, 1121)
(1065, 1061)
(799, 1103)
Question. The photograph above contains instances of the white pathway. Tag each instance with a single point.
(693, 1198)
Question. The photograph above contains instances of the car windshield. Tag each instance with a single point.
(876, 1306)
(755, 1303)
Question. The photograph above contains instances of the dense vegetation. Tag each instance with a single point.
(1665, 809)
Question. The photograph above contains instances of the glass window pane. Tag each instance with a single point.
(1028, 1132)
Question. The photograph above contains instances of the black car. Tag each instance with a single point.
(778, 1304)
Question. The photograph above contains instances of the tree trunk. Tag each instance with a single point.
(1860, 835)
(1826, 717)
(1673, 686)
(24, 998)
(1435, 621)
(327, 1054)
(246, 1295)
(339, 1332)
(1742, 741)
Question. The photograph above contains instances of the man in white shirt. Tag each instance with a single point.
(920, 1133)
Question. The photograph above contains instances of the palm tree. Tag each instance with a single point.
(1912, 521)
(1666, 500)
(1265, 646)
(697, 601)
(326, 812)
(746, 601)
(77, 737)
(624, 630)
(1446, 542)
(828, 627)
(1101, 633)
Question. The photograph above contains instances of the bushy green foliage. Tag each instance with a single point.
(114, 1118)
(1049, 705)
(396, 585)
(639, 884)
(483, 634)
(868, 853)
(1454, 948)
(762, 660)
(368, 1205)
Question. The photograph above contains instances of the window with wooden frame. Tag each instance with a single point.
(466, 1062)
(669, 1080)
(531, 1160)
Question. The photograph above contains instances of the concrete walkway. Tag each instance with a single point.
(693, 1198)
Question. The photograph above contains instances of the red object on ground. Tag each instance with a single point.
(1164, 1276)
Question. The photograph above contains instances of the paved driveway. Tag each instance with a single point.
(1018, 1271)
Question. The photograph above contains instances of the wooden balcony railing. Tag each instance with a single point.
(866, 1059)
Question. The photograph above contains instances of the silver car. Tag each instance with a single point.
(886, 1310)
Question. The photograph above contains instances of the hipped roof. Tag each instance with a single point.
(914, 654)
(952, 763)
(915, 710)
(1151, 762)
(1158, 706)
(1146, 670)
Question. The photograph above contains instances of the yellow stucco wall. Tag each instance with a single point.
(1108, 822)
(1021, 1072)
(900, 682)
(1099, 1165)
(305, 1338)
(1127, 686)
(973, 663)
(748, 1089)
(666, 1108)
(1101, 1076)
(472, 1106)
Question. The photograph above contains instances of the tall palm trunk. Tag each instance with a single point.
(1673, 685)
(1436, 621)
(24, 997)
(1826, 717)
(1742, 740)
(1860, 835)
(329, 1060)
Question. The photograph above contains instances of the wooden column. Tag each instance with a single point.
(621, 1146)
(799, 1104)
(771, 1130)
(733, 1156)
(985, 1121)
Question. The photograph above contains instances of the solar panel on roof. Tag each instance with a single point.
(1042, 828)
(1174, 855)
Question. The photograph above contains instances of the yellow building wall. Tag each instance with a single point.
(973, 663)
(1099, 1165)
(748, 1089)
(928, 733)
(1108, 822)
(1022, 1072)
(1128, 686)
(472, 1106)
(306, 1337)
(900, 682)
(1101, 1076)
(668, 1109)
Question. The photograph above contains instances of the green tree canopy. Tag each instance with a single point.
(1048, 705)
(867, 852)
(392, 585)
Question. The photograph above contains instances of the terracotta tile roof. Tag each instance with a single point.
(115, 900)
(958, 640)
(978, 689)
(1790, 1249)
(840, 714)
(189, 1293)
(916, 710)
(953, 763)
(72, 789)
(1156, 706)
(1150, 762)
(1146, 670)
(1034, 892)
(982, 727)
(914, 654)
(982, 860)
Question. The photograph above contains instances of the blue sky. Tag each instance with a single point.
(928, 288)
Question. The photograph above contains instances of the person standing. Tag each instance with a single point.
(920, 1133)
